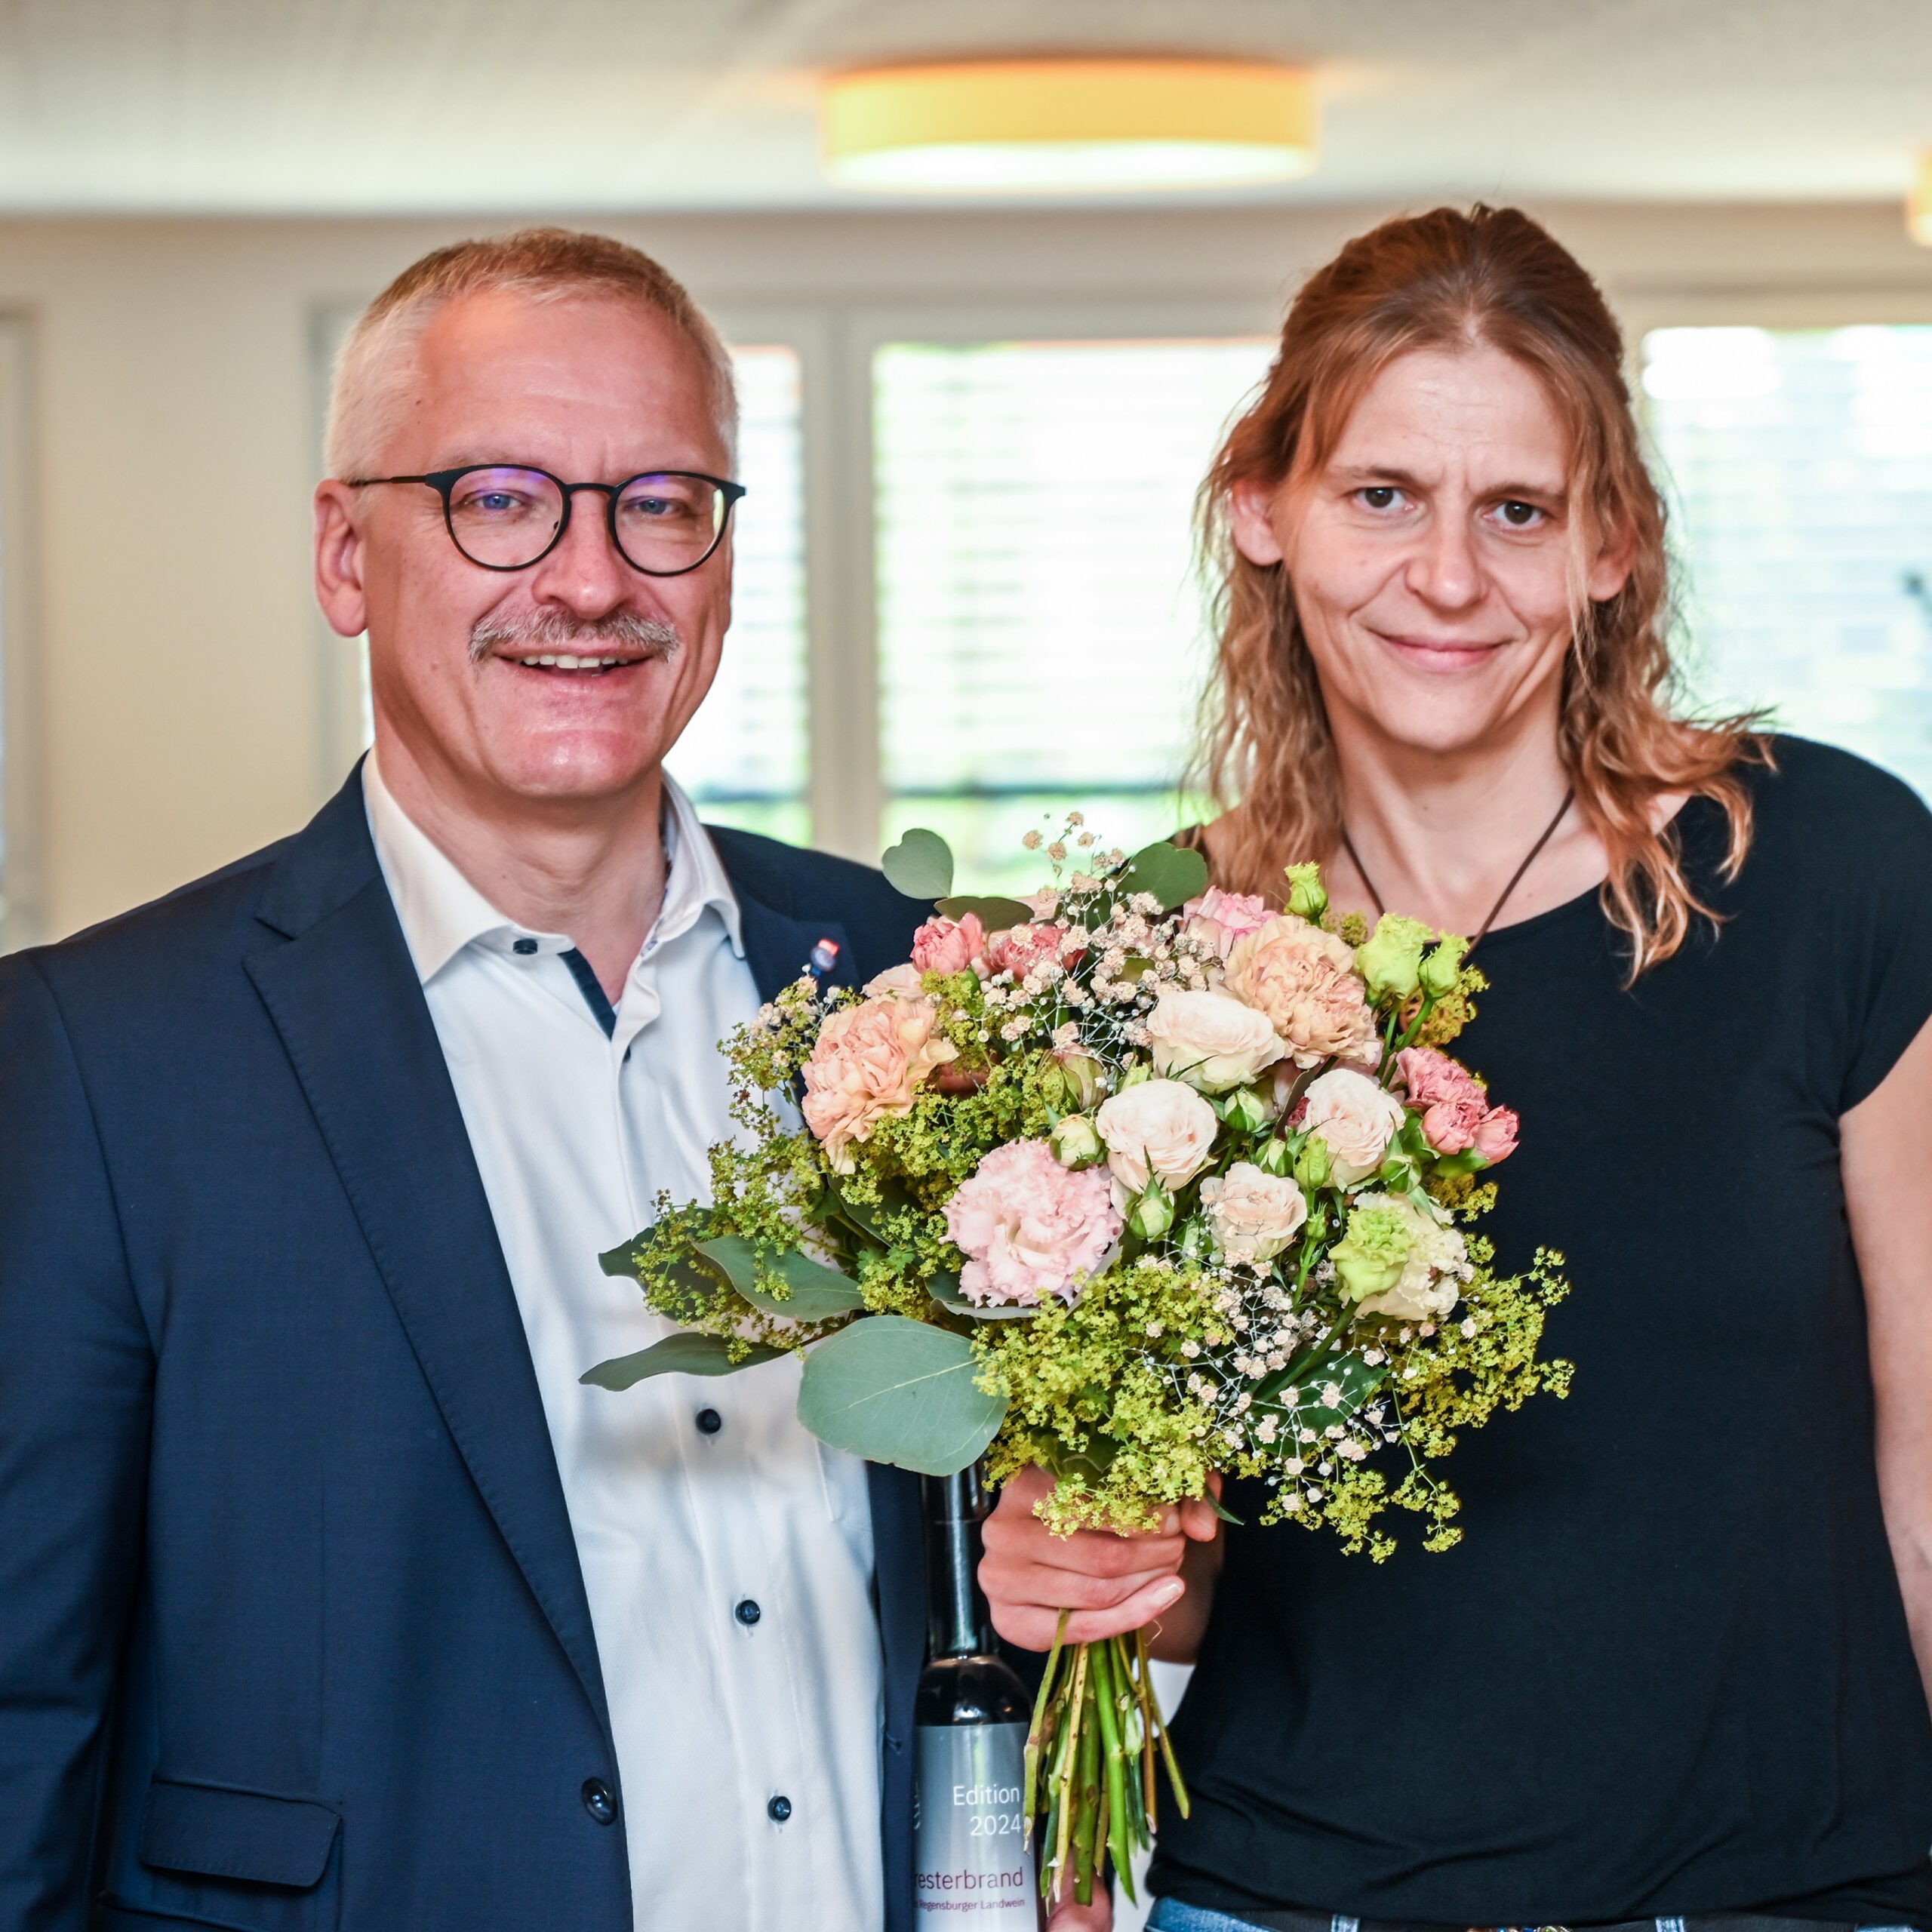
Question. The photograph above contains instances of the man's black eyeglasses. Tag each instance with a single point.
(507, 516)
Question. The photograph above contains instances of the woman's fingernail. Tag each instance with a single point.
(1170, 1592)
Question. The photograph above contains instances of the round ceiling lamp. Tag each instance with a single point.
(1068, 126)
(1919, 206)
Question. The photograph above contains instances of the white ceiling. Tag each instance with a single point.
(444, 105)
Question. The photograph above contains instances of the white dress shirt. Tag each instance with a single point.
(727, 1553)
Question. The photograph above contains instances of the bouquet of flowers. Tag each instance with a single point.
(1136, 1180)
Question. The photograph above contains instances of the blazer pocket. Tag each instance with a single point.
(248, 1859)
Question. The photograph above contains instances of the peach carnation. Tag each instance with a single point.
(1305, 981)
(867, 1066)
(1029, 1227)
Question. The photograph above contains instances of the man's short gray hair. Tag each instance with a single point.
(373, 372)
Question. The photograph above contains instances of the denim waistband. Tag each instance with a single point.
(1172, 1915)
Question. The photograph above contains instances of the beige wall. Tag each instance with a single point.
(171, 694)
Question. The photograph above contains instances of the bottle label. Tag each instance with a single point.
(971, 1866)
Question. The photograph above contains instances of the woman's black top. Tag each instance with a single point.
(1668, 1670)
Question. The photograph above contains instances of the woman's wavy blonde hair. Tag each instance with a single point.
(1451, 280)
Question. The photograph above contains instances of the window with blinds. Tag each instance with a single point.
(742, 757)
(1798, 464)
(1040, 620)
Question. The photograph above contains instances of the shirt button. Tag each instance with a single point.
(748, 1613)
(778, 1809)
(600, 1801)
(525, 946)
(709, 1422)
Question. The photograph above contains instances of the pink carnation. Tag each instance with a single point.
(1218, 918)
(1019, 948)
(1029, 1227)
(949, 945)
(1455, 1109)
(1495, 1138)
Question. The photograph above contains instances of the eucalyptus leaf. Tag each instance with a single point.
(1356, 1380)
(817, 1293)
(688, 1270)
(1173, 874)
(995, 914)
(944, 1289)
(920, 866)
(686, 1354)
(897, 1391)
(619, 1260)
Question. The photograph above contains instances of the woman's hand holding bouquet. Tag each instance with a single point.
(1124, 1187)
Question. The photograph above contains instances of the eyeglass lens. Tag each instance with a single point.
(507, 518)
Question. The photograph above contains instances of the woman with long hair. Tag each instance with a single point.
(1677, 1670)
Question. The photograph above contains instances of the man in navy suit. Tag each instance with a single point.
(329, 1596)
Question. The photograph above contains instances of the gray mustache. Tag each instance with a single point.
(557, 630)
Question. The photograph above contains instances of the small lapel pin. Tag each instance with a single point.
(824, 957)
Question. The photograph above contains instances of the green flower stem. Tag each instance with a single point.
(1086, 1792)
(1108, 1710)
(1066, 1765)
(1039, 1730)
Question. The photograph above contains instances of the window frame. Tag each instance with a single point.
(22, 796)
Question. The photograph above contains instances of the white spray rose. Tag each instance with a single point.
(1159, 1128)
(1211, 1042)
(1254, 1214)
(1355, 1119)
(1439, 1263)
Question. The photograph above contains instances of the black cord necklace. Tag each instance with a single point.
(1503, 899)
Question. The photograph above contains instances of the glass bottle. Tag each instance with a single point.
(973, 1870)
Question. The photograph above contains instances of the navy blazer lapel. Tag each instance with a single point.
(343, 993)
(779, 947)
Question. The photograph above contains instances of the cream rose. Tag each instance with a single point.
(868, 1066)
(1305, 981)
(1430, 1284)
(1159, 1128)
(1254, 1214)
(1355, 1118)
(1211, 1042)
(896, 983)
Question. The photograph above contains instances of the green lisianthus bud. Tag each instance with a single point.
(1306, 898)
(1442, 966)
(1312, 1167)
(1272, 1157)
(1244, 1110)
(1140, 1071)
(1372, 1252)
(1153, 1214)
(1390, 958)
(1076, 1142)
